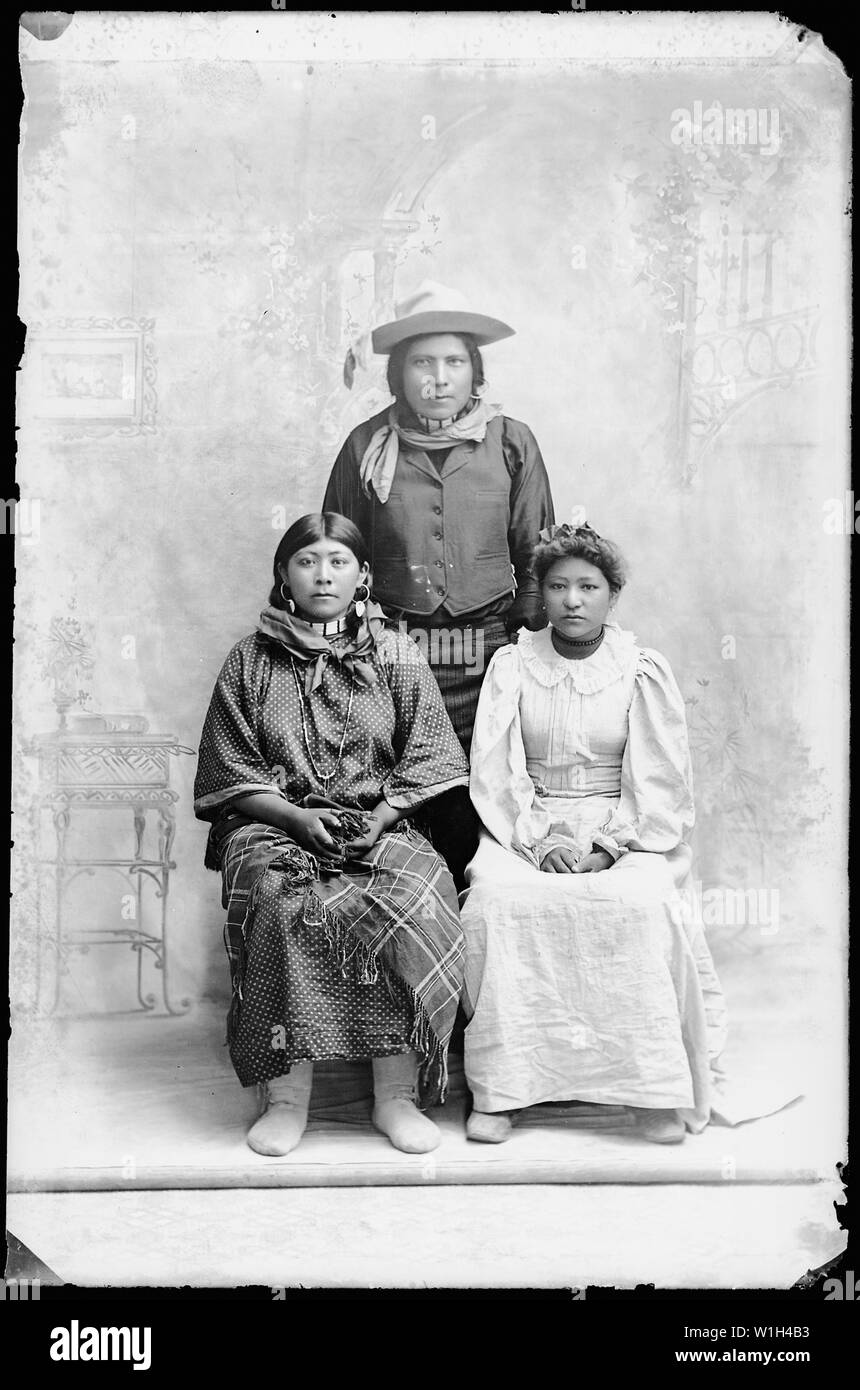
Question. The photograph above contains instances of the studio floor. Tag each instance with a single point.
(128, 1166)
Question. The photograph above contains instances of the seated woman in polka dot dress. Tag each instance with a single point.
(326, 729)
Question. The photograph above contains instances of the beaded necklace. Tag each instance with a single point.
(323, 777)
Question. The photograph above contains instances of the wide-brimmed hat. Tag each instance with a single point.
(434, 308)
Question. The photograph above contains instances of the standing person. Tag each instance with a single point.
(325, 731)
(451, 495)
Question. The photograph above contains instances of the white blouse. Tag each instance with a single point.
(582, 752)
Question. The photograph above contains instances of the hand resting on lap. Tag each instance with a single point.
(564, 861)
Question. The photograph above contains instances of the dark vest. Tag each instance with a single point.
(443, 538)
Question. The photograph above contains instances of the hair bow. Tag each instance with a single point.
(564, 531)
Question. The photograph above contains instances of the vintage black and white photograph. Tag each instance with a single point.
(431, 705)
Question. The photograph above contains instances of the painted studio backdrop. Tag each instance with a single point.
(207, 224)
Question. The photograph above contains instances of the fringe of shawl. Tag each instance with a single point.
(349, 952)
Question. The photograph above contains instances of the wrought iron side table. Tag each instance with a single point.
(108, 771)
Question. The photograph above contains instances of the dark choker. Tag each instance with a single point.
(579, 642)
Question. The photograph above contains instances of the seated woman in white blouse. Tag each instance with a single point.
(585, 980)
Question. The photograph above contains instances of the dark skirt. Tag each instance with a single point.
(450, 822)
(460, 679)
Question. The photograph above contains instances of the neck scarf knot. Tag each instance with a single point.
(380, 457)
(315, 651)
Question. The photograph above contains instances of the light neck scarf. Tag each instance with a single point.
(380, 457)
(308, 645)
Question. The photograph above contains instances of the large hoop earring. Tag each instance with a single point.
(287, 600)
(361, 603)
(478, 392)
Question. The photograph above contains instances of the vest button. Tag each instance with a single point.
(438, 511)
(438, 564)
(440, 591)
(437, 535)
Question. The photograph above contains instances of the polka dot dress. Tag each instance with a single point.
(399, 740)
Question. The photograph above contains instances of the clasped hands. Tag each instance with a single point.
(565, 861)
(325, 832)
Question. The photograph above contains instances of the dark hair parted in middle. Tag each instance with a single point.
(398, 357)
(583, 544)
(316, 526)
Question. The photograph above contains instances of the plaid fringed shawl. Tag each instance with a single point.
(394, 910)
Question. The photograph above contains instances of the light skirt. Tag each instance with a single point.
(593, 987)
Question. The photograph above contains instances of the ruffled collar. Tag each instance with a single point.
(610, 662)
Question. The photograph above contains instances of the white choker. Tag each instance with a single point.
(329, 629)
(434, 426)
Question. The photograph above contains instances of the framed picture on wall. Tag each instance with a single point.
(96, 373)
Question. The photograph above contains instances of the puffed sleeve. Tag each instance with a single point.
(230, 762)
(501, 789)
(655, 812)
(430, 758)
